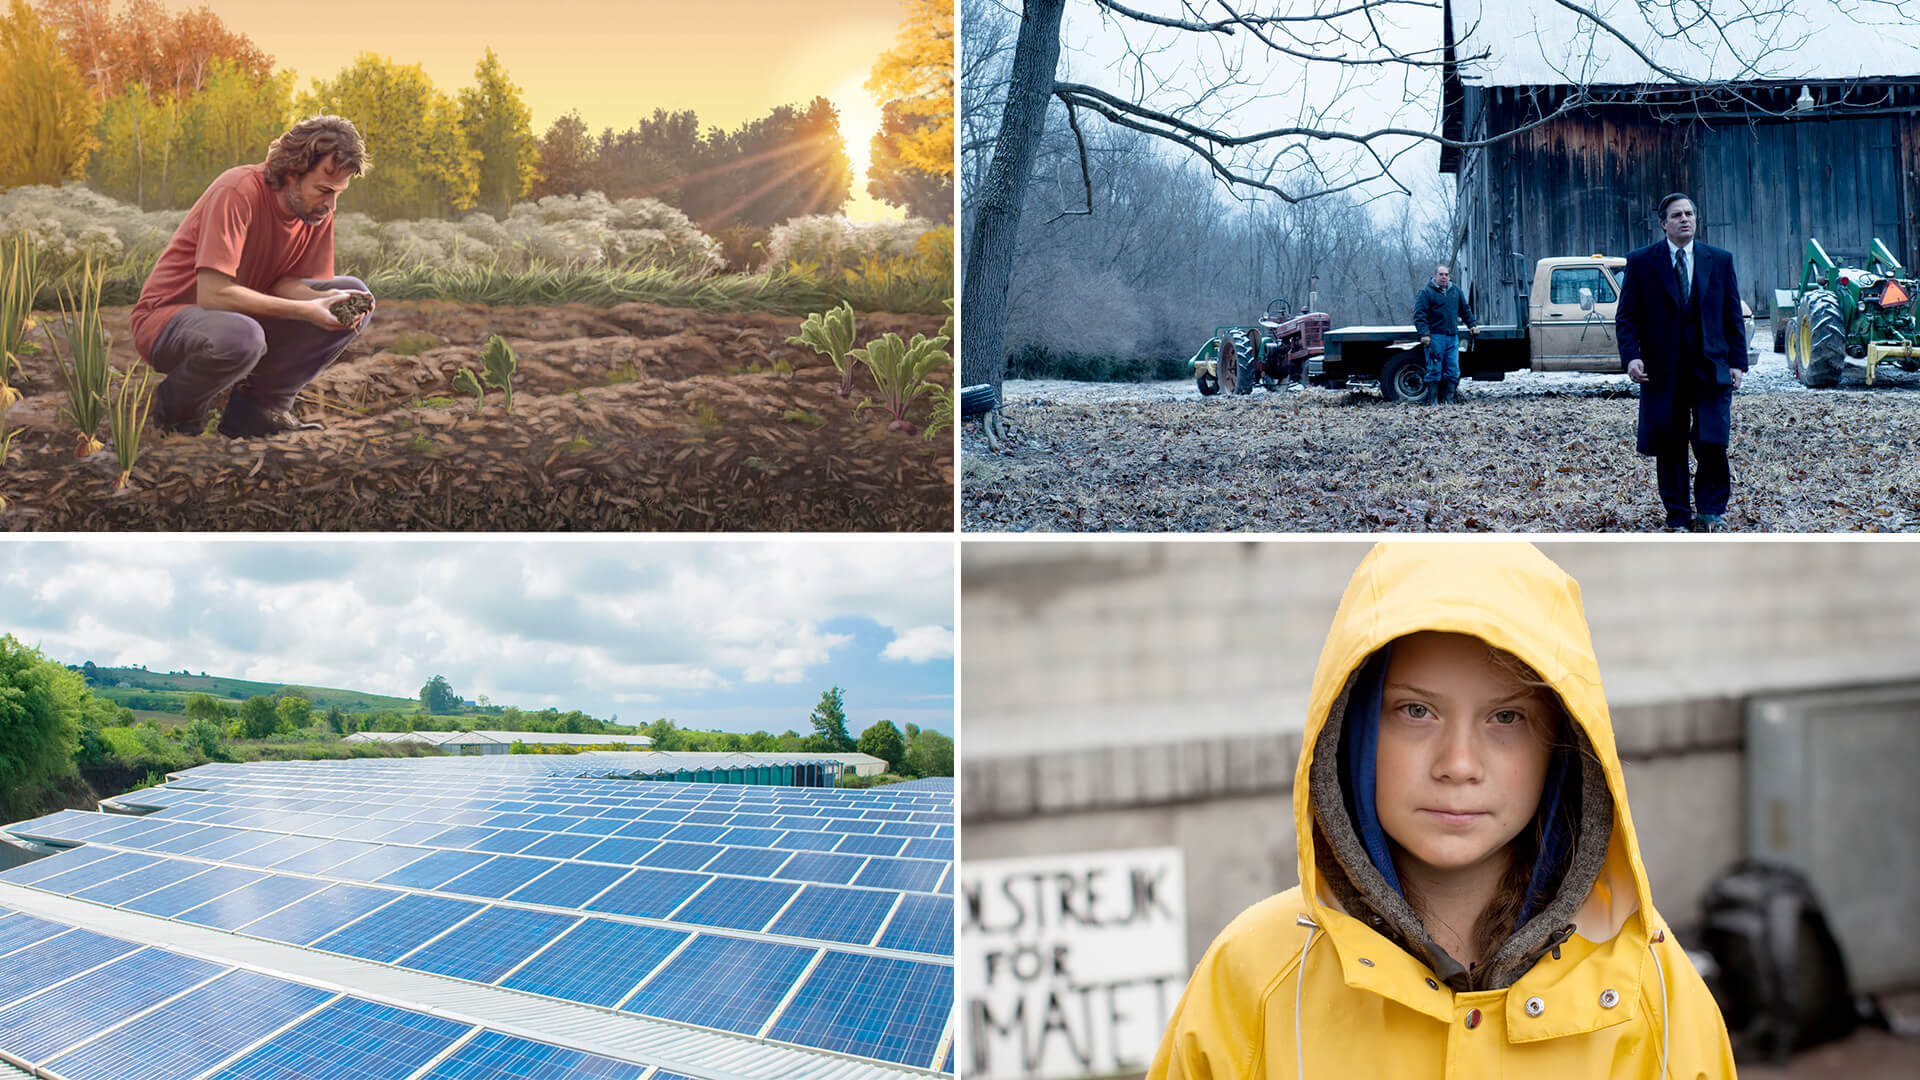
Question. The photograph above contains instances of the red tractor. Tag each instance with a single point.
(1271, 354)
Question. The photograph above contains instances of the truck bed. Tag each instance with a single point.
(1408, 333)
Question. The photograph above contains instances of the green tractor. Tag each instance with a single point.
(1843, 315)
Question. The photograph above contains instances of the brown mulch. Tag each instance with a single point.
(635, 417)
(1348, 461)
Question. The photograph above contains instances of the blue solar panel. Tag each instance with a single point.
(739, 903)
(436, 869)
(282, 847)
(65, 825)
(801, 840)
(873, 1006)
(923, 848)
(142, 881)
(678, 856)
(55, 958)
(822, 866)
(47, 1023)
(377, 863)
(224, 848)
(19, 931)
(307, 921)
(729, 983)
(568, 886)
(598, 962)
(494, 1056)
(128, 830)
(329, 854)
(246, 904)
(649, 894)
(560, 846)
(399, 928)
(917, 875)
(829, 913)
(93, 873)
(598, 826)
(946, 881)
(922, 924)
(510, 821)
(871, 845)
(491, 944)
(646, 830)
(619, 849)
(751, 837)
(697, 834)
(350, 1038)
(459, 836)
(753, 862)
(192, 892)
(184, 1038)
(499, 877)
(185, 841)
(508, 841)
(852, 825)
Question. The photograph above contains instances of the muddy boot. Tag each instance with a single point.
(1450, 391)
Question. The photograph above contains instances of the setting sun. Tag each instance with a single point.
(859, 123)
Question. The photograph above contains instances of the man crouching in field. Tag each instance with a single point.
(240, 300)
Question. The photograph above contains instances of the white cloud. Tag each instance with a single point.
(921, 644)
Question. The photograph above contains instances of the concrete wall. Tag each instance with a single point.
(1143, 694)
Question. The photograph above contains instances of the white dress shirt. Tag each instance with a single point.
(1692, 257)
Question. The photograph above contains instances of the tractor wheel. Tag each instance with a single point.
(1209, 384)
(1780, 335)
(1404, 378)
(1823, 341)
(1242, 363)
(1792, 346)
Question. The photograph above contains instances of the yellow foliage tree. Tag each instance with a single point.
(426, 168)
(499, 129)
(914, 80)
(133, 138)
(48, 107)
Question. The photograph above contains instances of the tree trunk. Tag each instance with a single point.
(996, 222)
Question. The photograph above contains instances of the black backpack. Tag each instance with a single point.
(1782, 982)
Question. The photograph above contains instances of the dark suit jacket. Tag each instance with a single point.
(1652, 329)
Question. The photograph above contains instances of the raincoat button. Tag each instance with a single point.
(1366, 962)
(1431, 985)
(1535, 1006)
(1608, 999)
(1473, 1019)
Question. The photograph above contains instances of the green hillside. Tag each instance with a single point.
(169, 692)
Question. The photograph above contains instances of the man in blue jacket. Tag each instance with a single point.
(1435, 311)
(1684, 340)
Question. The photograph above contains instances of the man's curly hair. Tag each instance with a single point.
(312, 141)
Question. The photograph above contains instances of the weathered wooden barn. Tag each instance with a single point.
(1811, 128)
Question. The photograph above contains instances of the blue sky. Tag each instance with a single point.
(724, 634)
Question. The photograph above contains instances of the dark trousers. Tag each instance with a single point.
(1713, 483)
(265, 362)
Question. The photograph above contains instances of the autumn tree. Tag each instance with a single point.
(566, 155)
(914, 79)
(44, 98)
(426, 168)
(890, 179)
(499, 132)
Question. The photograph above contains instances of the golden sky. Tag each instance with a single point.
(614, 62)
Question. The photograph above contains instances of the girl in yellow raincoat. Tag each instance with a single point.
(1472, 901)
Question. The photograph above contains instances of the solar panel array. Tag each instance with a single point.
(806, 916)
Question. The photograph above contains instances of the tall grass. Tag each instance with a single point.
(19, 285)
(127, 409)
(83, 369)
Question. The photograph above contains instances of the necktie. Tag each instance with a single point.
(1680, 271)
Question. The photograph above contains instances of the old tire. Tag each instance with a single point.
(1404, 378)
(1237, 352)
(977, 400)
(1823, 341)
(1209, 384)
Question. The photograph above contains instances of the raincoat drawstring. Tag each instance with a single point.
(1659, 973)
(1300, 980)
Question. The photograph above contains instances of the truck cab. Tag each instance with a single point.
(1570, 316)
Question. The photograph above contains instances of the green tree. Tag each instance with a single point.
(293, 713)
(412, 130)
(665, 735)
(830, 720)
(437, 696)
(207, 707)
(336, 720)
(884, 741)
(930, 754)
(499, 130)
(40, 705)
(258, 718)
(48, 108)
(203, 736)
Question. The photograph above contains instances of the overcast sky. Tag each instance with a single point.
(727, 635)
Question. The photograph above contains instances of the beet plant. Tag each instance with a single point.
(900, 369)
(831, 333)
(83, 369)
(465, 383)
(498, 365)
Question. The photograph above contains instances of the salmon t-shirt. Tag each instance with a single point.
(239, 228)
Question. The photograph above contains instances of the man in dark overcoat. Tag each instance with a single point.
(1684, 340)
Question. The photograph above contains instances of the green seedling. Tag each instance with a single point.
(704, 416)
(413, 343)
(498, 365)
(900, 370)
(831, 332)
(465, 383)
(942, 417)
(84, 367)
(19, 282)
(127, 409)
(802, 416)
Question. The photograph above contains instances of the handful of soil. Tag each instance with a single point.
(350, 307)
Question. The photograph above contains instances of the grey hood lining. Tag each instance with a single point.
(1363, 891)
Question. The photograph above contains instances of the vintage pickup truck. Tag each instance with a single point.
(1568, 326)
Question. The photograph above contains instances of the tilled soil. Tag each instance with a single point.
(635, 417)
(1552, 456)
